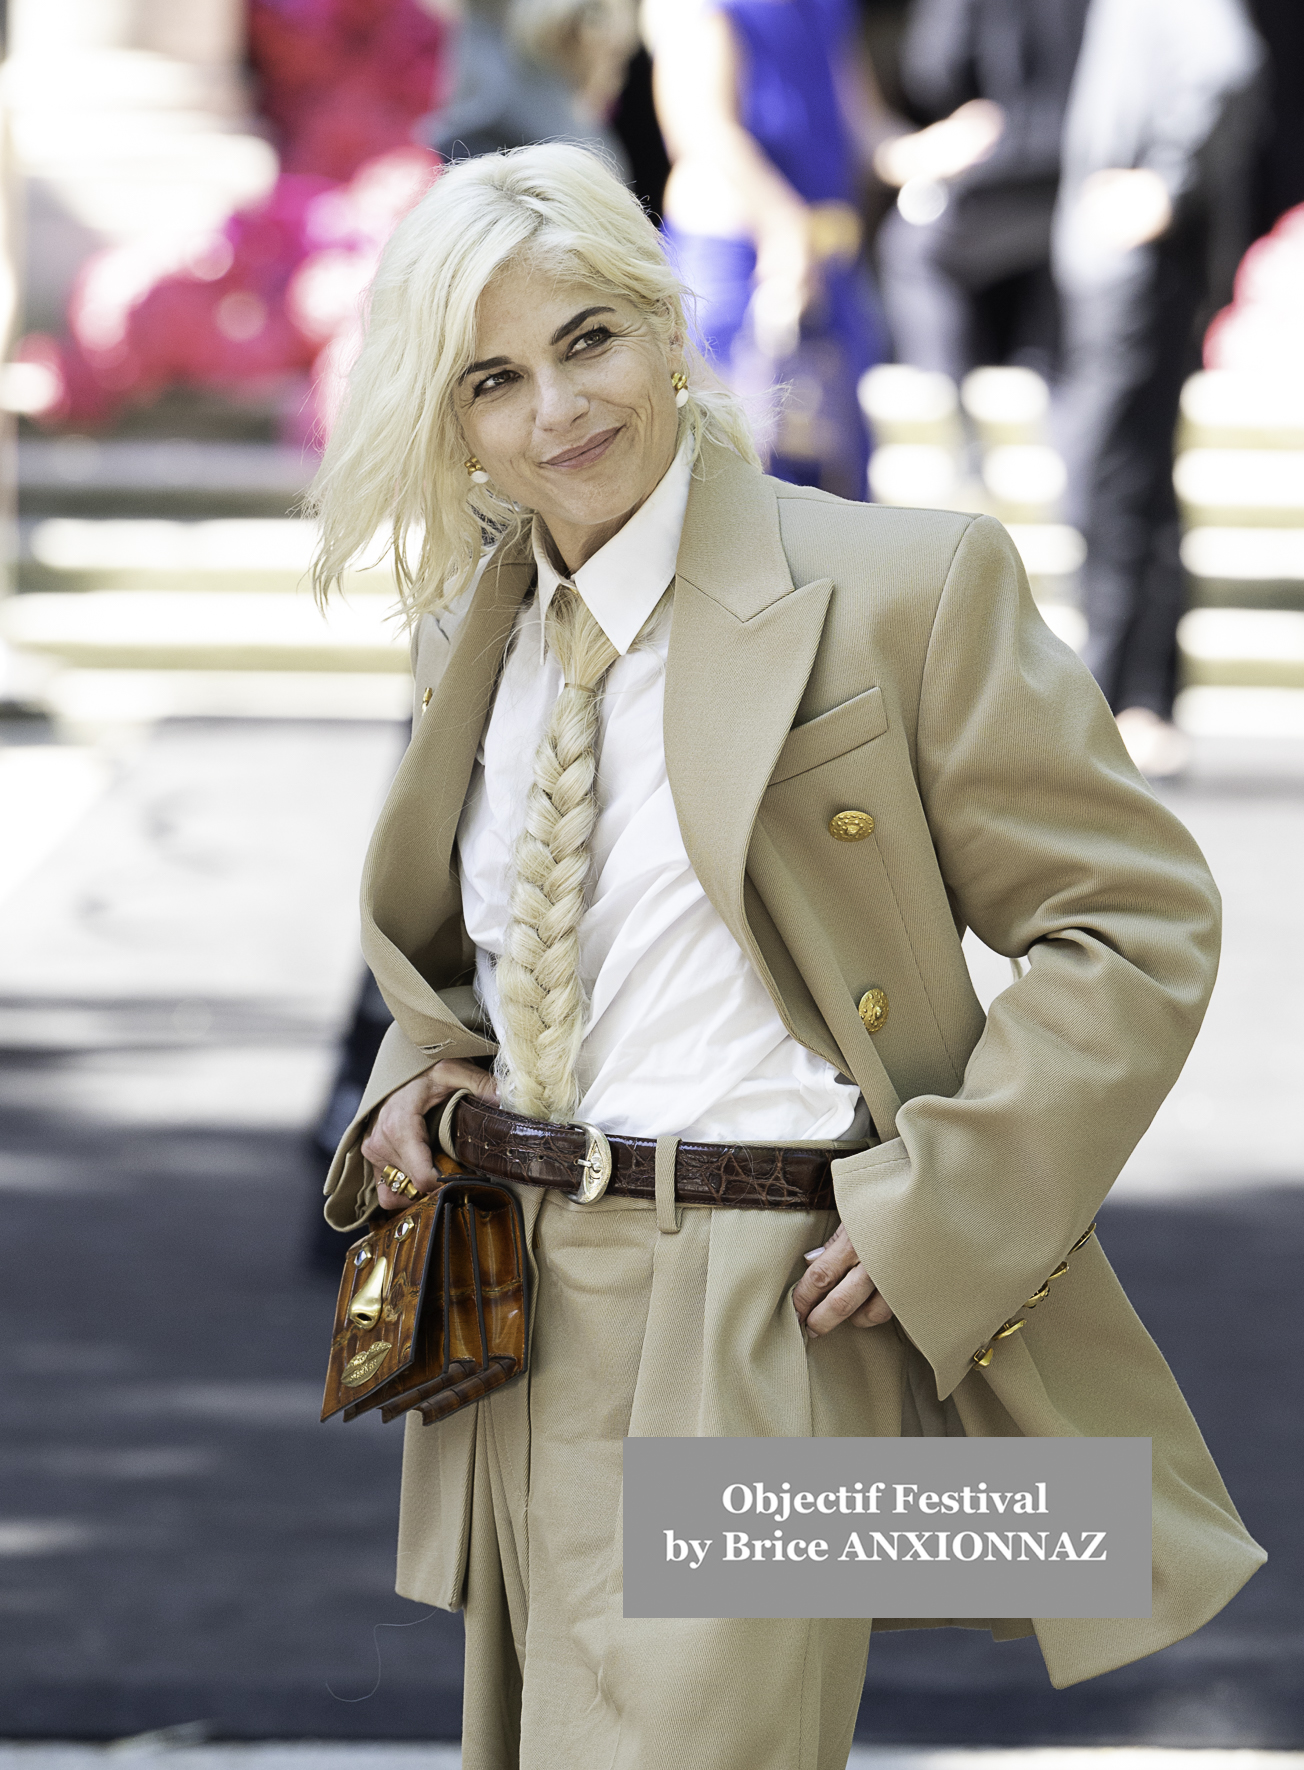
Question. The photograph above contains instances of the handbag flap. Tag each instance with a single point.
(379, 1305)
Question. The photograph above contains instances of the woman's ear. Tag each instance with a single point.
(676, 337)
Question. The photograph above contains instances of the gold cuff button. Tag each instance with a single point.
(851, 826)
(872, 1009)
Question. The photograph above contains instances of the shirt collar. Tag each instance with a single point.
(625, 579)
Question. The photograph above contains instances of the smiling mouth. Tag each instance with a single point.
(587, 452)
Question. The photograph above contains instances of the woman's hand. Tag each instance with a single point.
(944, 149)
(1124, 207)
(787, 276)
(836, 1288)
(398, 1136)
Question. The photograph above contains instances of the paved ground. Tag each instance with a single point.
(164, 1752)
(180, 1542)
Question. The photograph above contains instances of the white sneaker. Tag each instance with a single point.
(1156, 745)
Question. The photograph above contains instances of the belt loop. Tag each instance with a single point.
(667, 1215)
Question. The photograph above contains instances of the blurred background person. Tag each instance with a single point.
(1156, 149)
(768, 109)
(536, 70)
(1277, 182)
(964, 258)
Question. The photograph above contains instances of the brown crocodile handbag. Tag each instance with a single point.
(433, 1307)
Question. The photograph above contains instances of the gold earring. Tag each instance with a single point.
(475, 472)
(679, 381)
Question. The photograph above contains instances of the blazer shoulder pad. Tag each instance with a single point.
(876, 548)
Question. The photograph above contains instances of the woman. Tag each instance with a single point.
(766, 106)
(711, 774)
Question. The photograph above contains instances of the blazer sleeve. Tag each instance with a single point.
(1051, 846)
(351, 1184)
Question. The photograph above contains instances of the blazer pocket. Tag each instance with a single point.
(821, 740)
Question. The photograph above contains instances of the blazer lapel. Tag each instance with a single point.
(742, 645)
(410, 894)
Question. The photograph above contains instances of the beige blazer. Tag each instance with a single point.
(827, 656)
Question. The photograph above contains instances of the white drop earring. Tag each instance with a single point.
(475, 472)
(679, 381)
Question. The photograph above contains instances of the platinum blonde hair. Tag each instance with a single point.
(542, 1006)
(395, 461)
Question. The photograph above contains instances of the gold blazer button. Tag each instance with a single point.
(851, 826)
(872, 1009)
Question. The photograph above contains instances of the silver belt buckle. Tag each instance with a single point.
(596, 1166)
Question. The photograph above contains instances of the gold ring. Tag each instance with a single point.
(398, 1181)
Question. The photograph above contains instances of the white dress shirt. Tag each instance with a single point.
(682, 1035)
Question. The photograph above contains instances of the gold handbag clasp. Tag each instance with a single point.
(596, 1166)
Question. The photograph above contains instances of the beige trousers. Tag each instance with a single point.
(556, 1677)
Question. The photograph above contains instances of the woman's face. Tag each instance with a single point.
(569, 404)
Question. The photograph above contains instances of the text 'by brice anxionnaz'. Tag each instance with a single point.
(778, 1539)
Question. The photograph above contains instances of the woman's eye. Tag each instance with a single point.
(588, 340)
(491, 383)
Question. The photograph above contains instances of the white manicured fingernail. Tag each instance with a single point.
(814, 1254)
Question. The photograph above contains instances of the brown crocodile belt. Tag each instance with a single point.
(752, 1176)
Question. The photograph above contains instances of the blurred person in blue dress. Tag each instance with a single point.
(769, 111)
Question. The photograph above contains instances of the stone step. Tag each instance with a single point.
(206, 630)
(239, 553)
(169, 476)
(92, 700)
(203, 633)
(1220, 647)
(1241, 487)
(1243, 647)
(1222, 408)
(1229, 565)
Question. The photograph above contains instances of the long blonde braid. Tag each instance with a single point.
(542, 1005)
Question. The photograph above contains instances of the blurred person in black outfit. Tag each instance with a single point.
(1277, 182)
(965, 256)
(1152, 211)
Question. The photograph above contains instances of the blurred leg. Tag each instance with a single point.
(1147, 674)
(928, 311)
(1128, 349)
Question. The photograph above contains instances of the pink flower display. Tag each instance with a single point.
(343, 81)
(1260, 332)
(270, 305)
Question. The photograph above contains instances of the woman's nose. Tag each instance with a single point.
(558, 402)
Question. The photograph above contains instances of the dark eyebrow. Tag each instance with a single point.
(490, 362)
(579, 319)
